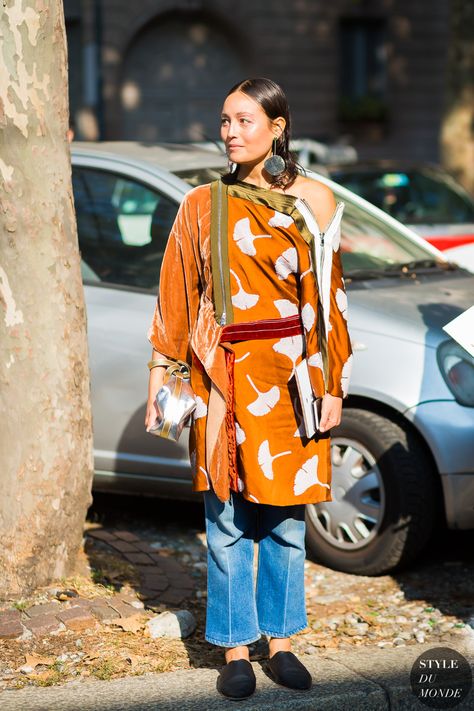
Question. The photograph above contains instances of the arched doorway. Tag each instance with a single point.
(175, 74)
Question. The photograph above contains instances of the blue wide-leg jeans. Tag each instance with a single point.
(239, 610)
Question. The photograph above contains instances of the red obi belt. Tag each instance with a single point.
(251, 330)
(268, 328)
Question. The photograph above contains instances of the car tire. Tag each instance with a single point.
(383, 491)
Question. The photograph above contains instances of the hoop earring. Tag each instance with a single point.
(275, 164)
(232, 167)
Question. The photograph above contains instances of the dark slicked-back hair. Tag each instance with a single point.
(271, 97)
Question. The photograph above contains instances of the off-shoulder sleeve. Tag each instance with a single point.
(179, 289)
(339, 347)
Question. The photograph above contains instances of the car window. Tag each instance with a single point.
(87, 273)
(368, 243)
(123, 227)
(413, 197)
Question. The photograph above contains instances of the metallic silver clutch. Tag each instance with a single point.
(175, 402)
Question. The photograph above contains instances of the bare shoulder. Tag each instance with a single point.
(318, 195)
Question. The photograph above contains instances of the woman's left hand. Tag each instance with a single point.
(331, 411)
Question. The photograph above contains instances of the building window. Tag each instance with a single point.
(363, 69)
(74, 55)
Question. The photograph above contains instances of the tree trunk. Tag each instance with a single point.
(457, 130)
(46, 435)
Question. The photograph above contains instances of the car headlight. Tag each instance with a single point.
(457, 368)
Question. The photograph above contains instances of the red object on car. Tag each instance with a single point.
(444, 242)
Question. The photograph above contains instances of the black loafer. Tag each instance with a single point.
(237, 679)
(286, 669)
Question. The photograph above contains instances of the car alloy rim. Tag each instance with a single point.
(352, 519)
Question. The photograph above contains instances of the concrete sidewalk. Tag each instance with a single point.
(366, 678)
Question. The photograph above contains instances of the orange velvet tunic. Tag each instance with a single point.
(247, 433)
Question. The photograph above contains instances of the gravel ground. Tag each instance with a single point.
(429, 603)
(432, 601)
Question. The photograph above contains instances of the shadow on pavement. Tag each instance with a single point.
(442, 577)
(353, 680)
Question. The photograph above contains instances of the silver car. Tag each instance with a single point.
(403, 456)
(423, 196)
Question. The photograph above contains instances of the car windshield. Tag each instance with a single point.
(370, 247)
(414, 197)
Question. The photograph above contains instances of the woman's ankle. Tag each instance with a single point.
(279, 644)
(233, 653)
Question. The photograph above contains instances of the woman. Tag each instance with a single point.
(243, 312)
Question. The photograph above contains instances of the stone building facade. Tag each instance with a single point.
(371, 70)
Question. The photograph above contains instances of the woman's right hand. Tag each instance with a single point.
(157, 376)
(151, 414)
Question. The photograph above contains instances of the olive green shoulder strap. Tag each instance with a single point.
(220, 254)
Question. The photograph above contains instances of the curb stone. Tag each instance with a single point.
(366, 679)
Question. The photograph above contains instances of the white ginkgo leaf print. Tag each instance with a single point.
(316, 360)
(279, 219)
(201, 408)
(244, 237)
(307, 476)
(240, 435)
(341, 301)
(286, 307)
(346, 374)
(308, 271)
(251, 496)
(308, 316)
(265, 401)
(291, 346)
(265, 459)
(205, 474)
(240, 484)
(287, 263)
(243, 300)
(239, 360)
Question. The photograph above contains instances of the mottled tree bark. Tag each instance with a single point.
(45, 432)
(457, 130)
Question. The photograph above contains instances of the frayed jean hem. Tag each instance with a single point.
(238, 643)
(282, 635)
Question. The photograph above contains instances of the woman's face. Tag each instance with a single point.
(246, 130)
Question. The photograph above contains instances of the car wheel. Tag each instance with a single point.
(383, 497)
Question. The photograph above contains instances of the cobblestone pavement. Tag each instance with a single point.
(431, 602)
(163, 581)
